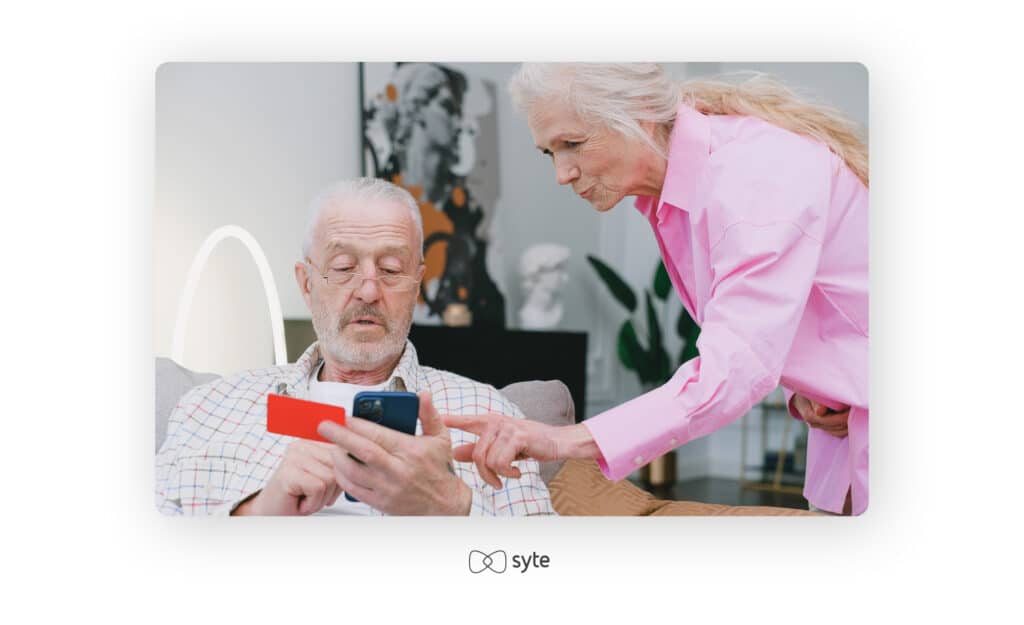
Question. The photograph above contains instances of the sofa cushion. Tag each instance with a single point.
(172, 382)
(548, 402)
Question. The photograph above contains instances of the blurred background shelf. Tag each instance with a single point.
(782, 457)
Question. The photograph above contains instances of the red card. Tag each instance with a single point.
(298, 417)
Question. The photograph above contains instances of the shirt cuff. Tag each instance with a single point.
(626, 446)
(226, 508)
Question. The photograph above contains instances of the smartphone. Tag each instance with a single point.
(392, 409)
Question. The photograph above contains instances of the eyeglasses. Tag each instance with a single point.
(350, 279)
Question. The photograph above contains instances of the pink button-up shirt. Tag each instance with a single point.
(764, 234)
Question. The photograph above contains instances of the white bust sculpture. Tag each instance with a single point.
(544, 271)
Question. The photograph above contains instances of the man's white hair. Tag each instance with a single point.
(360, 190)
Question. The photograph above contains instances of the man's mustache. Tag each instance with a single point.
(363, 311)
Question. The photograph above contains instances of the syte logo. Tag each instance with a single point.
(497, 561)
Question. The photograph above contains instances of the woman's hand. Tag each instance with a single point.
(503, 440)
(820, 416)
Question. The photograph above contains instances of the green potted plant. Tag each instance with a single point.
(649, 358)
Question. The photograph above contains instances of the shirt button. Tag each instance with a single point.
(672, 442)
(638, 460)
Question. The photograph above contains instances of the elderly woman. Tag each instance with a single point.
(759, 204)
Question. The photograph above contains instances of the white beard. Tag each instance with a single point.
(358, 354)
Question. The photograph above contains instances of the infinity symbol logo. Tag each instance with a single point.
(479, 561)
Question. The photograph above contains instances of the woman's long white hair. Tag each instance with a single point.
(621, 96)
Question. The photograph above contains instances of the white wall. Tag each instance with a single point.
(251, 144)
(248, 144)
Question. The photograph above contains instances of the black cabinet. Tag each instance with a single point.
(501, 357)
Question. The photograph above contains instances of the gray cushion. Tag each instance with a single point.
(173, 381)
(548, 402)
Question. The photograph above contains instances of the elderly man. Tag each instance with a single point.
(362, 265)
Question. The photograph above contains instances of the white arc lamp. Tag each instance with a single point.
(192, 281)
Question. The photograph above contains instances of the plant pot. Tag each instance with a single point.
(660, 472)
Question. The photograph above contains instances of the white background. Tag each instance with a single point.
(82, 538)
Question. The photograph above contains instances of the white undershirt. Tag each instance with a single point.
(340, 394)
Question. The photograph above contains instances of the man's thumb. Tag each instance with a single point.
(429, 419)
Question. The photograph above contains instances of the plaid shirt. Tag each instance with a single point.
(218, 451)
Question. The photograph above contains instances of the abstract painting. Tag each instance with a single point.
(433, 130)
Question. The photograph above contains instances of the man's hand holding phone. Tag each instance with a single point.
(302, 484)
(396, 472)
